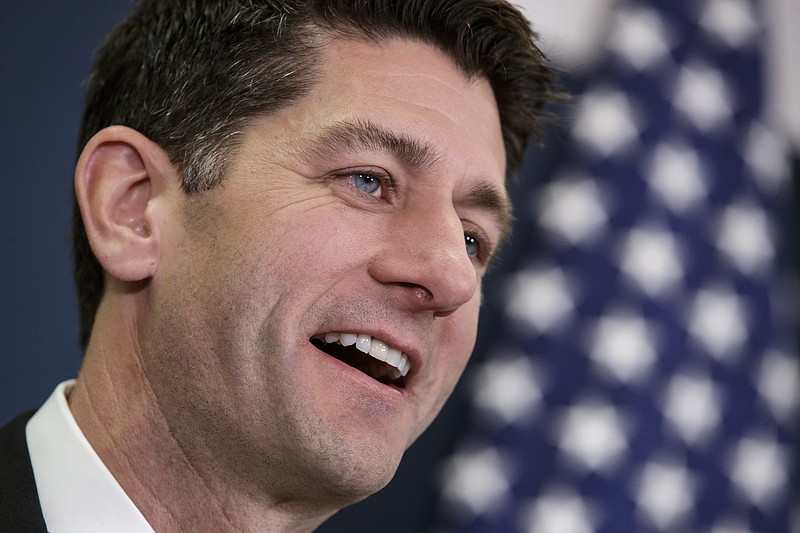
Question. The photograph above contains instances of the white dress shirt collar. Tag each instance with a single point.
(76, 491)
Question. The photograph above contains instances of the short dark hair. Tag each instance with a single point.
(189, 75)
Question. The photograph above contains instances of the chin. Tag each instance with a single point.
(358, 478)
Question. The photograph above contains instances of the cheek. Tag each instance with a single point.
(321, 234)
(456, 335)
(465, 327)
(267, 256)
(459, 334)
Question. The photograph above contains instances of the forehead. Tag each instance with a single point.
(412, 89)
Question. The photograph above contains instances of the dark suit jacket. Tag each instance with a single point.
(20, 511)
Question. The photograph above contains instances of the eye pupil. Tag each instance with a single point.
(365, 182)
(473, 246)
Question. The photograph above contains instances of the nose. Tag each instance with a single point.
(424, 260)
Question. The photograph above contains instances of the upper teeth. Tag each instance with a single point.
(374, 347)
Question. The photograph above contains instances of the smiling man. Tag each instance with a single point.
(284, 212)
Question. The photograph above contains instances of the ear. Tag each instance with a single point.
(118, 180)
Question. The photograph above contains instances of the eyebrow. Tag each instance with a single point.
(488, 198)
(414, 154)
(367, 135)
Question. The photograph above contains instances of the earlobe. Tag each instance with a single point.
(117, 179)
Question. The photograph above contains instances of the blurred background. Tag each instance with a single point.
(636, 368)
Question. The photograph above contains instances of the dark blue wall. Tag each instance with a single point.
(46, 50)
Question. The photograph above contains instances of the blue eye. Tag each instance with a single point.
(473, 246)
(366, 183)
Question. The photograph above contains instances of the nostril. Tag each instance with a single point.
(423, 294)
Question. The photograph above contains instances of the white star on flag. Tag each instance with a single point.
(572, 209)
(765, 153)
(558, 512)
(717, 320)
(640, 38)
(733, 21)
(476, 481)
(744, 235)
(622, 345)
(606, 122)
(665, 493)
(652, 258)
(508, 389)
(703, 96)
(676, 176)
(691, 406)
(758, 469)
(593, 434)
(539, 297)
(778, 382)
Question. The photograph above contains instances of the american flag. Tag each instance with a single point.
(646, 378)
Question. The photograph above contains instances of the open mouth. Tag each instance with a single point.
(370, 355)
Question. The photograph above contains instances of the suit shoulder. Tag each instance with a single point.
(20, 510)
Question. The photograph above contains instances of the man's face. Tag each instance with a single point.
(368, 209)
